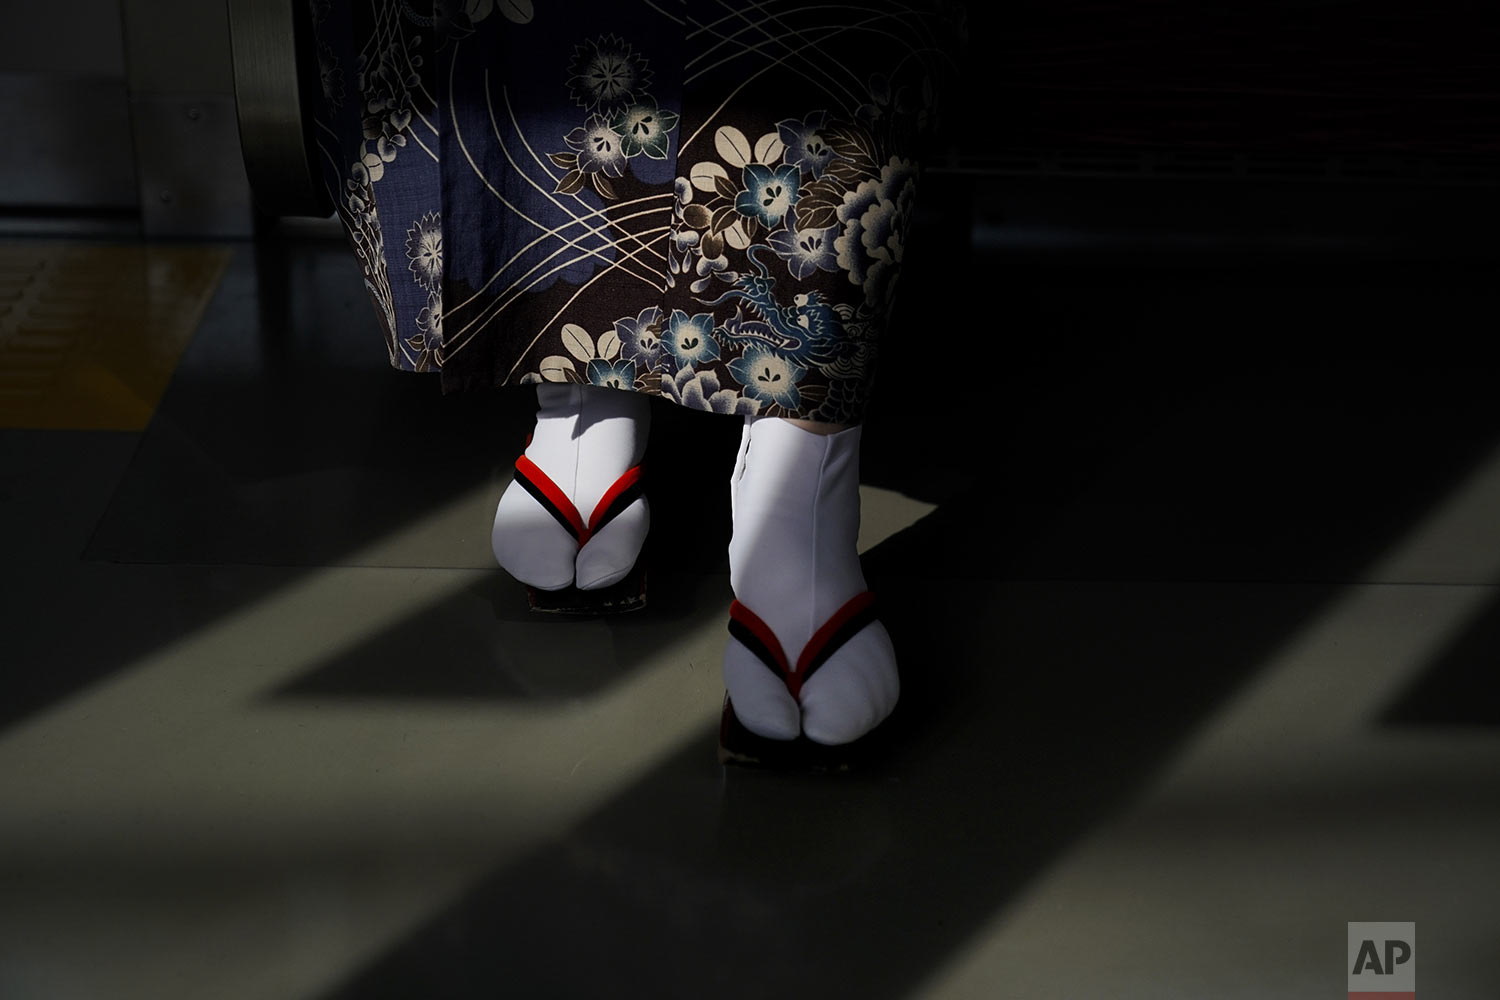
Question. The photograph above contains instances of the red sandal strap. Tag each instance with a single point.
(622, 494)
(856, 613)
(755, 635)
(547, 493)
(536, 482)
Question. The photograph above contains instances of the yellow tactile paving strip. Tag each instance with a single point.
(90, 335)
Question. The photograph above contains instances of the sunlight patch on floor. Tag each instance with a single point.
(180, 778)
(1287, 806)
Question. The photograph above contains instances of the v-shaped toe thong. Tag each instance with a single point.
(547, 493)
(756, 636)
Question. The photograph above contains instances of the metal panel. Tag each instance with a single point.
(177, 46)
(192, 180)
(80, 37)
(192, 177)
(68, 143)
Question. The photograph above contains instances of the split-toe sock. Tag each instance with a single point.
(574, 513)
(807, 654)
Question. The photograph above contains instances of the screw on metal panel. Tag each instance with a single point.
(166, 197)
(194, 114)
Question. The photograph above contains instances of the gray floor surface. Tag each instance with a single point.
(1193, 568)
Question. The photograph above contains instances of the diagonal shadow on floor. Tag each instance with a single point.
(1013, 738)
(1036, 703)
(1460, 687)
(1284, 449)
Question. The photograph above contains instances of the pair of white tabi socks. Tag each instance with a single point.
(793, 560)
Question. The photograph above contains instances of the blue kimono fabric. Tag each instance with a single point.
(699, 199)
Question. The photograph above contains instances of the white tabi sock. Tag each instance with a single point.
(793, 562)
(586, 437)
